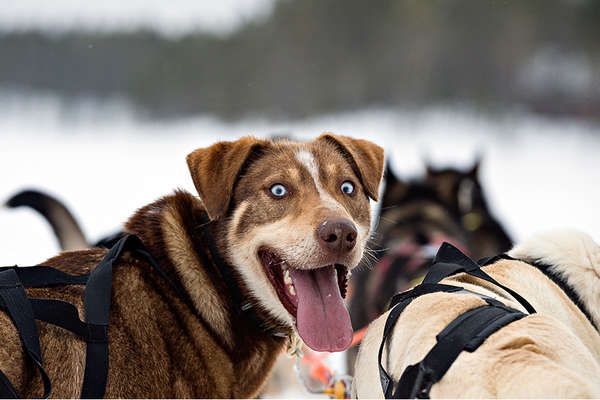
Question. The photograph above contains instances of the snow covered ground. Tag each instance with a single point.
(105, 162)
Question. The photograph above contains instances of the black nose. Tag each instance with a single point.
(337, 235)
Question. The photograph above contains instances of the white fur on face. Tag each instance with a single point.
(294, 241)
(307, 159)
(309, 162)
(299, 247)
(243, 253)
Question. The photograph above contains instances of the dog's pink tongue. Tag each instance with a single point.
(323, 320)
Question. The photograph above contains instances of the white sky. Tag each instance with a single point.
(169, 17)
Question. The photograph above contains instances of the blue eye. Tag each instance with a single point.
(278, 190)
(347, 187)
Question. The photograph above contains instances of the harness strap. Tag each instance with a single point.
(94, 330)
(19, 308)
(555, 277)
(43, 276)
(466, 332)
(59, 313)
(97, 309)
(449, 261)
(478, 325)
(7, 390)
(401, 303)
(109, 241)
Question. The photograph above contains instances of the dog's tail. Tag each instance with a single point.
(63, 223)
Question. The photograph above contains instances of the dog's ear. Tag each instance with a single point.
(430, 170)
(390, 177)
(366, 158)
(395, 188)
(215, 170)
(474, 172)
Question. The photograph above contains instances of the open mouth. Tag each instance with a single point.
(315, 298)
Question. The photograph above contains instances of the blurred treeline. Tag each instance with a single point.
(317, 56)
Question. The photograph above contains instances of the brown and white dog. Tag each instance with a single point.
(554, 353)
(290, 220)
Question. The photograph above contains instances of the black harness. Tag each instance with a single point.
(466, 332)
(24, 310)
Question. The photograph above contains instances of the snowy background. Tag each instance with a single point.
(100, 101)
(104, 162)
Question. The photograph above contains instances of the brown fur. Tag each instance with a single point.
(362, 155)
(158, 346)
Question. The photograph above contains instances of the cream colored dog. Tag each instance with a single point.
(554, 353)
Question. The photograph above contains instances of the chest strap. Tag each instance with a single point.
(24, 310)
(450, 261)
(466, 332)
(17, 304)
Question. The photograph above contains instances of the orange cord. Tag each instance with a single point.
(358, 336)
(318, 370)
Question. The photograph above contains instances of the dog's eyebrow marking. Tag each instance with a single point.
(308, 161)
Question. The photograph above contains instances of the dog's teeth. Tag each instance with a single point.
(292, 290)
(287, 279)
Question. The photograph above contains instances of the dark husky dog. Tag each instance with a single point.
(415, 218)
(462, 195)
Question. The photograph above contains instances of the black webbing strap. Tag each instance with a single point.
(43, 276)
(19, 308)
(7, 390)
(97, 309)
(466, 332)
(555, 277)
(417, 379)
(450, 260)
(65, 315)
(109, 241)
(399, 303)
(57, 312)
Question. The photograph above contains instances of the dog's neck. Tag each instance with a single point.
(571, 258)
(174, 229)
(561, 279)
